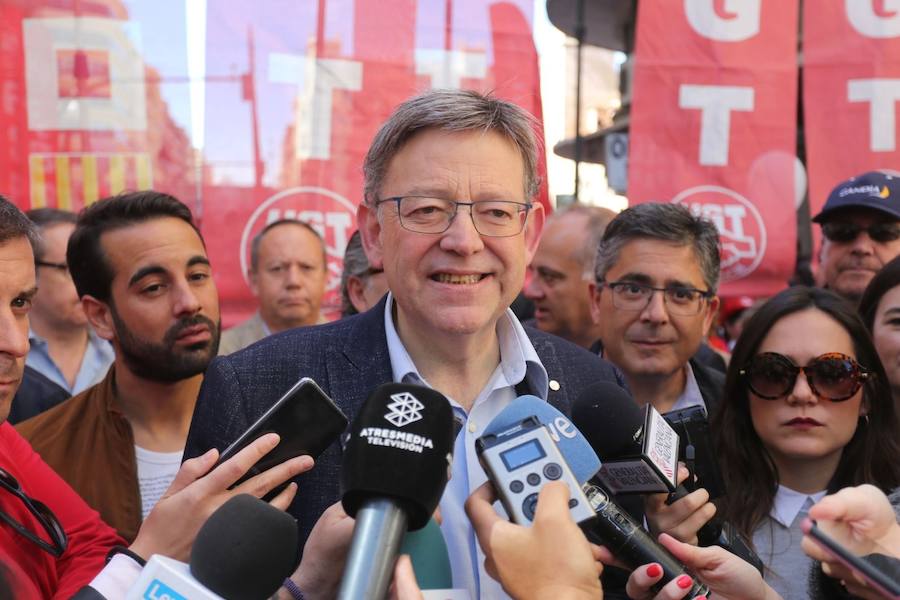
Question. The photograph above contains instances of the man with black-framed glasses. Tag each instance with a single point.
(656, 276)
(63, 346)
(860, 232)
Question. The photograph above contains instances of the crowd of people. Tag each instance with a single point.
(123, 390)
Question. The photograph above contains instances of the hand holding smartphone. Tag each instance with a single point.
(305, 418)
(875, 564)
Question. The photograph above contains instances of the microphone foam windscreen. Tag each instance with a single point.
(245, 549)
(609, 418)
(574, 447)
(400, 447)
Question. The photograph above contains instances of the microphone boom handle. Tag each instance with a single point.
(380, 525)
(615, 529)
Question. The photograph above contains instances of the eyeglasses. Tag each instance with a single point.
(680, 301)
(832, 376)
(847, 232)
(61, 267)
(55, 532)
(493, 218)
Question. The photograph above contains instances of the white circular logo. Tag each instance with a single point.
(742, 232)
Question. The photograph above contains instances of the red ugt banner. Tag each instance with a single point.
(851, 90)
(714, 127)
(302, 87)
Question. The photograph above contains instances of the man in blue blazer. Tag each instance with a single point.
(448, 215)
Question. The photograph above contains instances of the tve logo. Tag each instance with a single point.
(157, 590)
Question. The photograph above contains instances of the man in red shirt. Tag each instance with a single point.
(51, 542)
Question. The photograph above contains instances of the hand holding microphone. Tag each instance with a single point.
(683, 518)
(639, 453)
(726, 575)
(552, 558)
(242, 552)
(611, 526)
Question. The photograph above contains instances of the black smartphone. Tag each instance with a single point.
(305, 418)
(878, 567)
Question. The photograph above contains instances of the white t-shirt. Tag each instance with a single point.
(156, 470)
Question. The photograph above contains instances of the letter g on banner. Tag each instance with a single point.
(874, 18)
(737, 21)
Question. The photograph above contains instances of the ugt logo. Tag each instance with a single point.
(741, 228)
(404, 409)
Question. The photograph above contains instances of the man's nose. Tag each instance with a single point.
(534, 289)
(462, 237)
(13, 335)
(656, 310)
(187, 302)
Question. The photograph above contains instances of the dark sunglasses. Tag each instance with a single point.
(832, 376)
(58, 539)
(847, 232)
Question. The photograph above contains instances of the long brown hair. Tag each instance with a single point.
(871, 456)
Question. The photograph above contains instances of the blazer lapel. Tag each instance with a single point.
(360, 362)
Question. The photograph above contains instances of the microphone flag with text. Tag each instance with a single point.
(639, 449)
(395, 467)
(630, 442)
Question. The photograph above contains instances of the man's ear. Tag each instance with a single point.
(99, 315)
(711, 313)
(594, 291)
(533, 228)
(370, 234)
(356, 293)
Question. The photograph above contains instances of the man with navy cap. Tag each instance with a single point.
(861, 228)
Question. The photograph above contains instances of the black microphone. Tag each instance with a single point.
(245, 549)
(395, 467)
(638, 448)
(617, 430)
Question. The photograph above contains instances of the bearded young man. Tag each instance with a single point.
(141, 270)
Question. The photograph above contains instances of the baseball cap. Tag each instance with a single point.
(878, 190)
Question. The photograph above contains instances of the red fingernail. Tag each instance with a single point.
(654, 570)
(684, 582)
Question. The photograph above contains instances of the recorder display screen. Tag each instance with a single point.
(523, 454)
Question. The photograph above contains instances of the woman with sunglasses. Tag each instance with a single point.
(807, 411)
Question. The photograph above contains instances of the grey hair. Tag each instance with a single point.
(44, 218)
(453, 111)
(356, 264)
(665, 222)
(598, 218)
(257, 240)
(14, 224)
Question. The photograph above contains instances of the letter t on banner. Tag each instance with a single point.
(713, 126)
(851, 91)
